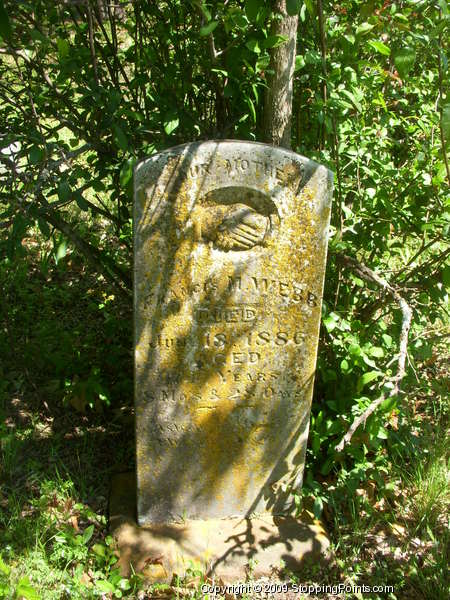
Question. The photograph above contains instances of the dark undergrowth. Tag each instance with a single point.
(67, 427)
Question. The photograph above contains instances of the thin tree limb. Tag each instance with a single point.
(435, 259)
(443, 141)
(99, 260)
(117, 62)
(91, 42)
(368, 275)
(323, 51)
(424, 246)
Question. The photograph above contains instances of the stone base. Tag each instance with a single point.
(229, 549)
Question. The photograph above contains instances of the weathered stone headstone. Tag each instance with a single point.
(230, 248)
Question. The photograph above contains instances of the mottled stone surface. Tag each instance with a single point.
(229, 549)
(230, 247)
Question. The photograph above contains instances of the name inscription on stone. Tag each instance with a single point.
(230, 245)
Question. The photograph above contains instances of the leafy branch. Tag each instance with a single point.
(441, 110)
(367, 274)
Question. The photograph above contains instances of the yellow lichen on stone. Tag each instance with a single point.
(227, 318)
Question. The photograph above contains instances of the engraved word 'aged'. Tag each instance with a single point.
(230, 248)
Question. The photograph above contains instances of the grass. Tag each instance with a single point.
(66, 425)
(53, 524)
(56, 460)
(430, 484)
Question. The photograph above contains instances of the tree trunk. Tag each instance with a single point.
(278, 96)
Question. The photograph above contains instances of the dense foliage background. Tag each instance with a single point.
(87, 88)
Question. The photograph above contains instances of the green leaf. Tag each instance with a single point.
(443, 6)
(354, 350)
(5, 25)
(208, 28)
(273, 41)
(63, 48)
(446, 276)
(60, 253)
(329, 323)
(363, 28)
(293, 7)
(36, 155)
(345, 366)
(404, 60)
(299, 62)
(82, 204)
(317, 507)
(313, 57)
(252, 8)
(303, 13)
(376, 351)
(351, 96)
(315, 443)
(445, 122)
(239, 20)
(114, 100)
(64, 191)
(204, 9)
(327, 465)
(170, 126)
(382, 434)
(37, 36)
(330, 375)
(120, 137)
(252, 109)
(99, 549)
(387, 340)
(368, 361)
(19, 230)
(104, 586)
(350, 38)
(310, 7)
(220, 71)
(367, 378)
(4, 567)
(24, 589)
(262, 62)
(126, 173)
(88, 533)
(124, 584)
(255, 93)
(389, 404)
(253, 45)
(98, 185)
(380, 47)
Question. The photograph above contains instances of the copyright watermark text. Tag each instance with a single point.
(278, 587)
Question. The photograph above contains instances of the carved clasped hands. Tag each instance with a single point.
(233, 225)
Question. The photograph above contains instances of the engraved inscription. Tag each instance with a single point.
(287, 173)
(228, 314)
(256, 287)
(230, 244)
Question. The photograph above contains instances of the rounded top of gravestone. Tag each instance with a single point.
(209, 145)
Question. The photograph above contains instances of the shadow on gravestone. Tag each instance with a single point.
(230, 249)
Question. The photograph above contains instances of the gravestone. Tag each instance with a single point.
(230, 249)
